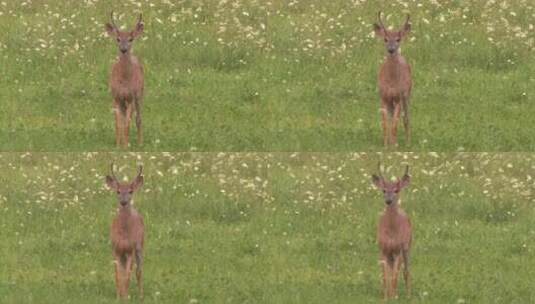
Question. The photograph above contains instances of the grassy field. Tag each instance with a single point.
(267, 76)
(267, 228)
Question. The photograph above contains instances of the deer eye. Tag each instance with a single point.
(131, 191)
(118, 192)
(398, 39)
(130, 39)
(118, 40)
(386, 40)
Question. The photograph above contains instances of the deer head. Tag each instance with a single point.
(391, 190)
(392, 38)
(124, 39)
(125, 192)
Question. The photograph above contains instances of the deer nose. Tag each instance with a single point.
(123, 203)
(391, 50)
(388, 201)
(124, 50)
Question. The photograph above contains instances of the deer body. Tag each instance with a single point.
(395, 84)
(127, 84)
(394, 236)
(127, 236)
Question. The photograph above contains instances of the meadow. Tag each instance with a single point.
(267, 227)
(251, 75)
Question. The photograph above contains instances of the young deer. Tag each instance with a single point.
(126, 82)
(127, 234)
(394, 234)
(395, 83)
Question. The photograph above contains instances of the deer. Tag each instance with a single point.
(126, 82)
(395, 82)
(394, 234)
(127, 234)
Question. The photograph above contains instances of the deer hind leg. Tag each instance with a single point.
(139, 271)
(406, 120)
(395, 121)
(137, 104)
(406, 272)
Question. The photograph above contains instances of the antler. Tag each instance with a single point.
(380, 20)
(140, 19)
(408, 19)
(406, 170)
(112, 173)
(140, 170)
(379, 170)
(112, 20)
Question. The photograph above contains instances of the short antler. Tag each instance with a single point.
(112, 173)
(140, 170)
(408, 19)
(112, 20)
(380, 20)
(379, 171)
(140, 19)
(406, 170)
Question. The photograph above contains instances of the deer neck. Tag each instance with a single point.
(393, 67)
(126, 63)
(123, 216)
(391, 215)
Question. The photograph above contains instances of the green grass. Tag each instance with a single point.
(253, 76)
(267, 228)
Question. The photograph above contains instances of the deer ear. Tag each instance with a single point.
(378, 181)
(111, 182)
(137, 183)
(379, 30)
(112, 31)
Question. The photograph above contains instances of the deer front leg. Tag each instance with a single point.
(138, 122)
(118, 124)
(384, 122)
(117, 276)
(128, 272)
(395, 121)
(129, 109)
(395, 268)
(384, 266)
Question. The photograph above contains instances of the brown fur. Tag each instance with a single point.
(127, 84)
(395, 84)
(127, 236)
(394, 236)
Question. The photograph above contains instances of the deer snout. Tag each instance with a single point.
(123, 49)
(388, 201)
(391, 49)
(123, 202)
